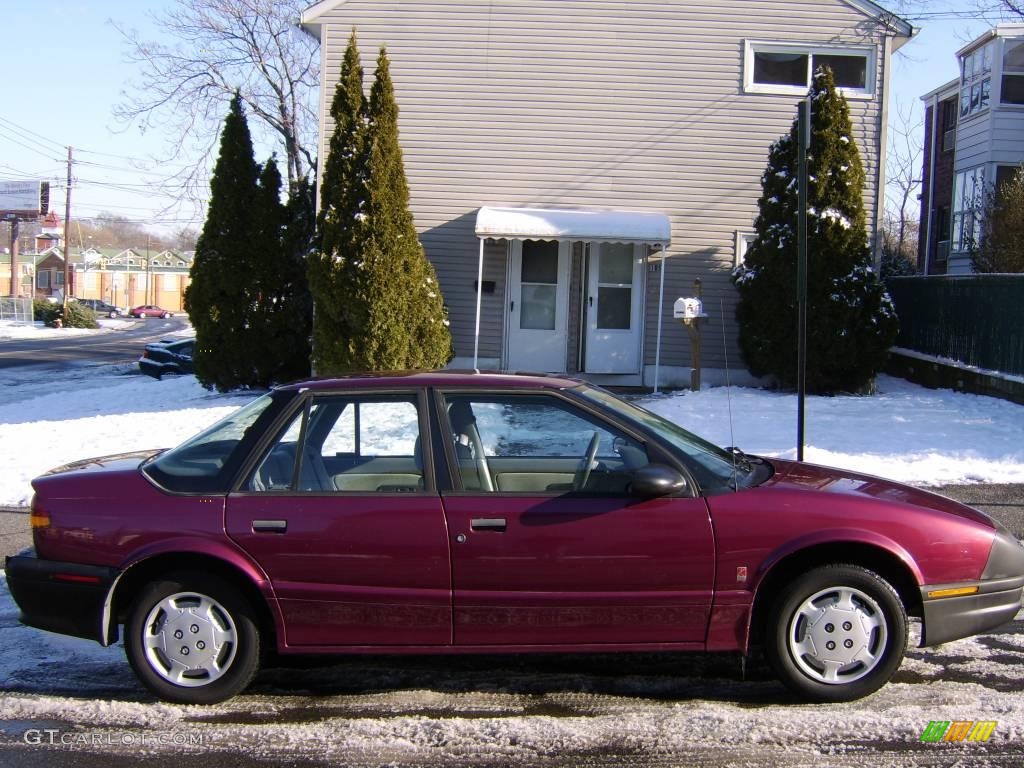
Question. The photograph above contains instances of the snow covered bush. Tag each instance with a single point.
(851, 321)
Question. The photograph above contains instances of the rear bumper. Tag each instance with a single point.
(157, 369)
(67, 598)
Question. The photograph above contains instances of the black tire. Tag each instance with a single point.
(165, 315)
(111, 315)
(207, 609)
(837, 633)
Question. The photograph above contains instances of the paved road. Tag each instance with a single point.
(100, 348)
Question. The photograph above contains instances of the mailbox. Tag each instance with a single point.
(688, 309)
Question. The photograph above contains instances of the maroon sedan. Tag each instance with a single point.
(466, 513)
(150, 310)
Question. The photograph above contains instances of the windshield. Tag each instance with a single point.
(715, 469)
(205, 463)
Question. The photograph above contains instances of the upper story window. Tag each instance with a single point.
(947, 124)
(976, 81)
(787, 68)
(968, 202)
(1012, 90)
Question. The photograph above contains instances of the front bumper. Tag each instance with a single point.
(994, 600)
(67, 598)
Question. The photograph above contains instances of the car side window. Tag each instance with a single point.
(538, 444)
(362, 444)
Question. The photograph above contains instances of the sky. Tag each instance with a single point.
(73, 72)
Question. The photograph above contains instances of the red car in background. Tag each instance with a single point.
(465, 513)
(150, 310)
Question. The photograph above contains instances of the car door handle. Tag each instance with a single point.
(489, 524)
(269, 526)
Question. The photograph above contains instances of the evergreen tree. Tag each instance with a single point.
(851, 321)
(334, 265)
(1002, 244)
(218, 297)
(279, 326)
(404, 323)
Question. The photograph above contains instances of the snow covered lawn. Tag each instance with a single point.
(39, 331)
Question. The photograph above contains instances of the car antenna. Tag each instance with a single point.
(728, 398)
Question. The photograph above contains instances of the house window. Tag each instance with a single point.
(947, 124)
(968, 202)
(743, 242)
(788, 69)
(1012, 91)
(43, 280)
(976, 81)
(1004, 175)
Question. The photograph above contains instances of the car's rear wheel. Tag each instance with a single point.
(165, 315)
(837, 633)
(193, 639)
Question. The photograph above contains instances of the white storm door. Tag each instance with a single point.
(538, 303)
(614, 296)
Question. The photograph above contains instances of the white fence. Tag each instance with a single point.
(16, 311)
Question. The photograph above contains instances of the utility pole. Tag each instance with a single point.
(67, 241)
(15, 278)
(804, 139)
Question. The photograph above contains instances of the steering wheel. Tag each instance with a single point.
(579, 480)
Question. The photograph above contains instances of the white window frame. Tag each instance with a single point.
(967, 208)
(750, 47)
(1006, 42)
(976, 69)
(744, 239)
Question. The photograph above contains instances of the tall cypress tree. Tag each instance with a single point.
(402, 307)
(334, 264)
(278, 327)
(851, 321)
(217, 299)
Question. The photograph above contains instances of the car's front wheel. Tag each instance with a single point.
(165, 315)
(837, 633)
(193, 639)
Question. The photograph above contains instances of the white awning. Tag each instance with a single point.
(555, 224)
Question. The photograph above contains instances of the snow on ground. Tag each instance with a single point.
(50, 419)
(37, 330)
(904, 432)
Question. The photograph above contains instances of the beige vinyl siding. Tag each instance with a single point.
(584, 103)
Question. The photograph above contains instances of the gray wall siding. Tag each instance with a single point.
(592, 103)
(972, 141)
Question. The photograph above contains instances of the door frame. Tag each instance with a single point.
(642, 256)
(515, 249)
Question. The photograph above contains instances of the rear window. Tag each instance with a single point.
(208, 462)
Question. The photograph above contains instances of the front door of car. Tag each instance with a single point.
(548, 546)
(342, 515)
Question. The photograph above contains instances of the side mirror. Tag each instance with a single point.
(656, 480)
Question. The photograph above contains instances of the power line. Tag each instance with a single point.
(45, 154)
(28, 132)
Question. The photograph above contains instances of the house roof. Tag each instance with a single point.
(560, 224)
(310, 17)
(1002, 30)
(948, 89)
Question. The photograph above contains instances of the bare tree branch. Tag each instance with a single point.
(903, 180)
(253, 47)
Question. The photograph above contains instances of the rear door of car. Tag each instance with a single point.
(546, 552)
(341, 510)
